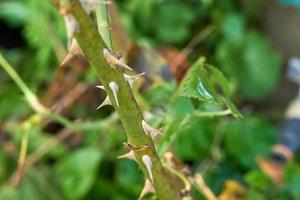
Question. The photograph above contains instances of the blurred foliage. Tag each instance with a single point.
(244, 68)
(242, 52)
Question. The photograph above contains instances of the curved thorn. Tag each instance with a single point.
(114, 88)
(73, 51)
(149, 130)
(100, 87)
(148, 188)
(130, 79)
(71, 26)
(112, 60)
(104, 103)
(130, 155)
(148, 164)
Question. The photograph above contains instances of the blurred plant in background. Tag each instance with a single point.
(82, 164)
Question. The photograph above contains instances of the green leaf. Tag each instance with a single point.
(258, 180)
(173, 127)
(292, 177)
(252, 63)
(169, 25)
(195, 138)
(12, 102)
(206, 83)
(15, 12)
(78, 172)
(30, 190)
(159, 94)
(181, 106)
(233, 27)
(262, 187)
(248, 138)
(128, 176)
(253, 194)
(216, 177)
(9, 193)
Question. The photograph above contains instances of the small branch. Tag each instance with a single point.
(203, 188)
(16, 179)
(30, 97)
(213, 113)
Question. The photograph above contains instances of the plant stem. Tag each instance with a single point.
(16, 179)
(104, 25)
(213, 113)
(30, 97)
(166, 185)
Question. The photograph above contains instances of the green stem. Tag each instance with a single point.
(213, 113)
(104, 25)
(30, 97)
(166, 186)
(22, 154)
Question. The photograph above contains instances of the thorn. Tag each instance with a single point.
(100, 87)
(104, 103)
(149, 130)
(148, 163)
(73, 51)
(130, 155)
(71, 26)
(148, 188)
(131, 79)
(112, 60)
(114, 88)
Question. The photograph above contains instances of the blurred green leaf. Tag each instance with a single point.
(258, 180)
(217, 176)
(9, 193)
(151, 22)
(253, 194)
(248, 138)
(182, 105)
(262, 187)
(171, 27)
(77, 172)
(171, 132)
(252, 63)
(128, 177)
(159, 94)
(292, 177)
(195, 139)
(15, 12)
(232, 27)
(30, 190)
(12, 102)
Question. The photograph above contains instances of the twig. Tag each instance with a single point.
(30, 97)
(203, 188)
(213, 113)
(18, 175)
